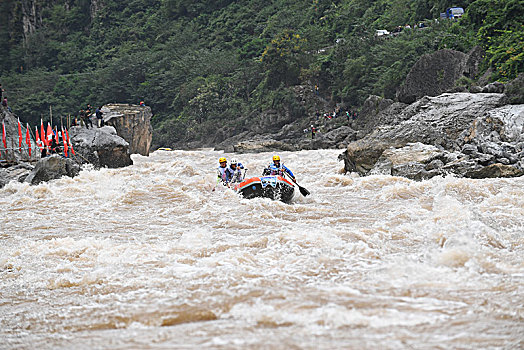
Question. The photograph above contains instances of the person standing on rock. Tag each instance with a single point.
(99, 117)
(85, 118)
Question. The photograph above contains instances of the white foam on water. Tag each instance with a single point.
(112, 255)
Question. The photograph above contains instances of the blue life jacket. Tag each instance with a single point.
(275, 170)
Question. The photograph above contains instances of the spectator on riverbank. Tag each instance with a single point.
(84, 115)
(4, 103)
(1, 92)
(99, 117)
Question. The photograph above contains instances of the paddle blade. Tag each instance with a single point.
(303, 191)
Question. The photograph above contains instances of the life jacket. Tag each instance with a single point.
(280, 170)
(221, 173)
(234, 175)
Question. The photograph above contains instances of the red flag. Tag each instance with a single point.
(49, 136)
(38, 142)
(28, 140)
(65, 142)
(3, 137)
(42, 133)
(69, 142)
(19, 136)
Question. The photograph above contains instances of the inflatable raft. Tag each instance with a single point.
(274, 187)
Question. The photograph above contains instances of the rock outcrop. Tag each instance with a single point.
(52, 167)
(436, 73)
(465, 134)
(101, 147)
(13, 154)
(132, 123)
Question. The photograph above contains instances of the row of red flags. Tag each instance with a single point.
(43, 139)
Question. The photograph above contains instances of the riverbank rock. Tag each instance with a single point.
(13, 154)
(262, 144)
(132, 123)
(52, 167)
(17, 172)
(101, 147)
(464, 134)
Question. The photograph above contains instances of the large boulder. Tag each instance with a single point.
(52, 167)
(437, 121)
(464, 134)
(436, 73)
(132, 123)
(101, 147)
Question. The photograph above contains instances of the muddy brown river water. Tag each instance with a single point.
(149, 257)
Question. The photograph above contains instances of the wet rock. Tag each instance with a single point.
(262, 145)
(495, 170)
(101, 147)
(483, 159)
(132, 123)
(410, 161)
(435, 164)
(52, 167)
(410, 170)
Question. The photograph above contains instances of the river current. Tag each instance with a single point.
(150, 257)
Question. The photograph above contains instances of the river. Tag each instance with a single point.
(150, 257)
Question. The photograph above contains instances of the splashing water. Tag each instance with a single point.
(149, 256)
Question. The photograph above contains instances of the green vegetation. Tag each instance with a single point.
(203, 64)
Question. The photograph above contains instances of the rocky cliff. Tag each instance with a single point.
(132, 123)
(472, 135)
(436, 73)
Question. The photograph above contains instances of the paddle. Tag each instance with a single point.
(303, 190)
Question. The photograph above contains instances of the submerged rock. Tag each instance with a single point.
(52, 167)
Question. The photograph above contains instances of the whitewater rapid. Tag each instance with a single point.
(150, 257)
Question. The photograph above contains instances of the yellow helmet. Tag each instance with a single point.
(276, 158)
(222, 159)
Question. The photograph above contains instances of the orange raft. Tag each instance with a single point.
(274, 187)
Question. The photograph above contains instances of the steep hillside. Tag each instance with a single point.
(207, 64)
